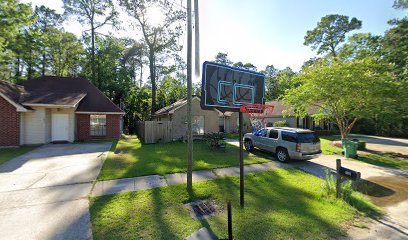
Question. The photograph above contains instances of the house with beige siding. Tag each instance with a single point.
(204, 121)
(56, 109)
(281, 113)
(210, 121)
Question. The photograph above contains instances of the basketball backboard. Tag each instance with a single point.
(228, 88)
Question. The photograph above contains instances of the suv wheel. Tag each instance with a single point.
(248, 145)
(282, 155)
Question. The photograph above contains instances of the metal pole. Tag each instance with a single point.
(197, 38)
(241, 161)
(229, 221)
(189, 101)
(338, 178)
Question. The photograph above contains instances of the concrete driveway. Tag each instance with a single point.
(384, 144)
(43, 194)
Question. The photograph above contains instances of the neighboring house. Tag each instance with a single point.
(292, 121)
(209, 121)
(56, 109)
(204, 121)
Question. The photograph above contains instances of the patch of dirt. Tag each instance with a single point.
(386, 190)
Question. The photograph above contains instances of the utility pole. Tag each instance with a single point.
(196, 39)
(189, 101)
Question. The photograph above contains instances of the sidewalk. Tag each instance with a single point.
(153, 181)
(317, 167)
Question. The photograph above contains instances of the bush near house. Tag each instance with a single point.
(280, 124)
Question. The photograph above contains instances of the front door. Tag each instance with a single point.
(59, 127)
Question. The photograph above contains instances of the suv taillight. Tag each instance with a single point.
(298, 147)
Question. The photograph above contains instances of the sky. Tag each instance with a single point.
(263, 32)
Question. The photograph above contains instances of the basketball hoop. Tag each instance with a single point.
(257, 114)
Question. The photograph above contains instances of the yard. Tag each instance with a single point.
(131, 158)
(378, 159)
(327, 147)
(280, 204)
(7, 154)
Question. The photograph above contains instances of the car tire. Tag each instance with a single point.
(248, 145)
(282, 155)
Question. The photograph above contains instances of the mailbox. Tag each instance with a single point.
(351, 174)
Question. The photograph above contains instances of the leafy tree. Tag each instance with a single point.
(96, 13)
(46, 19)
(238, 65)
(250, 66)
(170, 91)
(270, 72)
(344, 91)
(158, 37)
(13, 17)
(247, 66)
(136, 106)
(222, 58)
(135, 56)
(310, 62)
(400, 4)
(29, 50)
(360, 46)
(395, 46)
(65, 53)
(277, 81)
(330, 32)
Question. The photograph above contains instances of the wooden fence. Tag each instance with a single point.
(154, 131)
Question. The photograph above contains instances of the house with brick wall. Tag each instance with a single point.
(56, 109)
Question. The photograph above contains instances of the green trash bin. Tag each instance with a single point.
(350, 148)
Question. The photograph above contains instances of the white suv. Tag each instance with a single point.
(286, 143)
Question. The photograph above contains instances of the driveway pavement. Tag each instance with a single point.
(384, 144)
(43, 194)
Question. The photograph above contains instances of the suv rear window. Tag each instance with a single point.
(307, 138)
(300, 137)
(288, 136)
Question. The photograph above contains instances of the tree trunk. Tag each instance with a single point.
(93, 53)
(43, 65)
(345, 128)
(18, 67)
(153, 80)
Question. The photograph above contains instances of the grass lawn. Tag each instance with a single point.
(7, 154)
(131, 158)
(280, 204)
(327, 148)
(384, 160)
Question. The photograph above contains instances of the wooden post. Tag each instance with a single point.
(196, 39)
(338, 178)
(229, 221)
(189, 101)
(241, 161)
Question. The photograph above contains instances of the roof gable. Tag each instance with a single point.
(68, 91)
(13, 93)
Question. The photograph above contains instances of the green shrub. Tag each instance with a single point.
(215, 140)
(354, 198)
(280, 124)
(329, 188)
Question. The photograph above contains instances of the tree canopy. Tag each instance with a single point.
(330, 32)
(344, 91)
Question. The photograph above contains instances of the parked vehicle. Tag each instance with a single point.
(286, 143)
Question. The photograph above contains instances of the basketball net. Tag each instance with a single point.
(257, 114)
